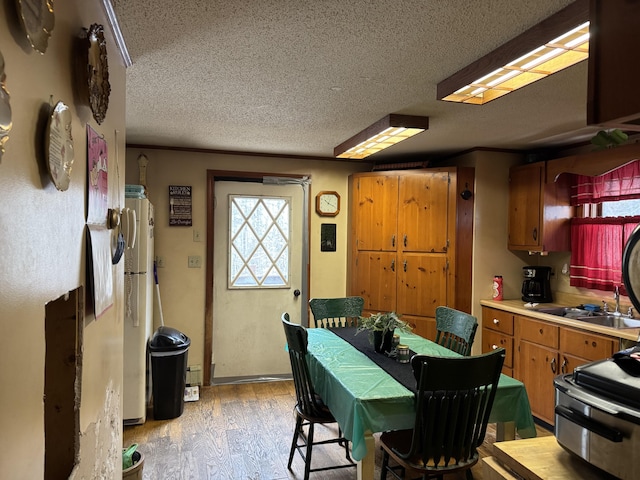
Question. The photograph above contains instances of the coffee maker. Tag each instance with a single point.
(536, 287)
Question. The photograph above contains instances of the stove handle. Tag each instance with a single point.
(590, 424)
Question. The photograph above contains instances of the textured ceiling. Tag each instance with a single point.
(300, 77)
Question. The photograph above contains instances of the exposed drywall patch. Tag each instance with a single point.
(63, 371)
(100, 444)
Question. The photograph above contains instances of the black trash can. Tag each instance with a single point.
(169, 349)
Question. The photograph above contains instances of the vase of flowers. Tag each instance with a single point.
(380, 327)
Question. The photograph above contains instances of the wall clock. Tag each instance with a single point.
(328, 204)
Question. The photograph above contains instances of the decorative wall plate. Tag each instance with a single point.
(5, 109)
(59, 146)
(38, 21)
(97, 79)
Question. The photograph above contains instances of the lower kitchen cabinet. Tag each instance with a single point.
(537, 366)
(545, 350)
(497, 332)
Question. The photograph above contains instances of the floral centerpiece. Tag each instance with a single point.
(380, 327)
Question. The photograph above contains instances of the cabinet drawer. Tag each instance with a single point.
(492, 340)
(589, 346)
(497, 320)
(538, 332)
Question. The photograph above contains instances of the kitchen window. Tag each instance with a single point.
(609, 210)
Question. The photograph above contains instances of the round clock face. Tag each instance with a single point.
(328, 204)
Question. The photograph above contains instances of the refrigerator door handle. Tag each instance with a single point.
(129, 226)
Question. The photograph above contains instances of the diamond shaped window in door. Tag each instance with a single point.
(259, 234)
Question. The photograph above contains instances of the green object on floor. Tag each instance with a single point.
(127, 456)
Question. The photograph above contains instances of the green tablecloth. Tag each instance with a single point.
(363, 397)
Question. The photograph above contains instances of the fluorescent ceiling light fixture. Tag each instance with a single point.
(552, 45)
(384, 133)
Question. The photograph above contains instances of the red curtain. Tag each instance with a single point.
(597, 245)
(620, 184)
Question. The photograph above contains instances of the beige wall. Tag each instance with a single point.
(182, 289)
(44, 254)
(490, 253)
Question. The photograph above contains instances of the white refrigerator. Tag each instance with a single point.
(138, 311)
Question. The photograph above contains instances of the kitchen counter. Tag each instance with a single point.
(517, 307)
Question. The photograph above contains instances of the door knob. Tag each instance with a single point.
(296, 293)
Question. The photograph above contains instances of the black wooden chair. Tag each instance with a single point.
(454, 400)
(455, 330)
(310, 410)
(336, 312)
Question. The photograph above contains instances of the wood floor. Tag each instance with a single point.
(238, 432)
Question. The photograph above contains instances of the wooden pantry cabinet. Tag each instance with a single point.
(545, 350)
(539, 211)
(410, 242)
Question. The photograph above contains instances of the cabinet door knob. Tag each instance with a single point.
(393, 240)
(393, 265)
(494, 347)
(405, 240)
(496, 321)
(563, 367)
(553, 365)
(535, 234)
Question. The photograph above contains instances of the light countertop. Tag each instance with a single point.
(517, 307)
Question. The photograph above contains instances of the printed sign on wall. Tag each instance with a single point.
(180, 205)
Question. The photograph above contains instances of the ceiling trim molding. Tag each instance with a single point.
(243, 154)
(117, 32)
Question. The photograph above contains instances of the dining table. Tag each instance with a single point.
(369, 392)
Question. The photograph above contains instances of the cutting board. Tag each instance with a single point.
(538, 459)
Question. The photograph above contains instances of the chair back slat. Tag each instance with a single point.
(455, 330)
(297, 342)
(454, 400)
(336, 312)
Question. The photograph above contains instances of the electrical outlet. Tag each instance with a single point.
(197, 235)
(195, 261)
(159, 261)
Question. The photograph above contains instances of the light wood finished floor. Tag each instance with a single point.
(238, 432)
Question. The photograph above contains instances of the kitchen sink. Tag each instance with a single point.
(568, 312)
(596, 318)
(614, 321)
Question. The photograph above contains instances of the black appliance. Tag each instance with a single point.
(536, 287)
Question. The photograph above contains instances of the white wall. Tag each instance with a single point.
(42, 239)
(182, 289)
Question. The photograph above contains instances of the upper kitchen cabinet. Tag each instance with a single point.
(539, 211)
(614, 64)
(410, 242)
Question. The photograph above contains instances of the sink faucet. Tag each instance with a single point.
(616, 296)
